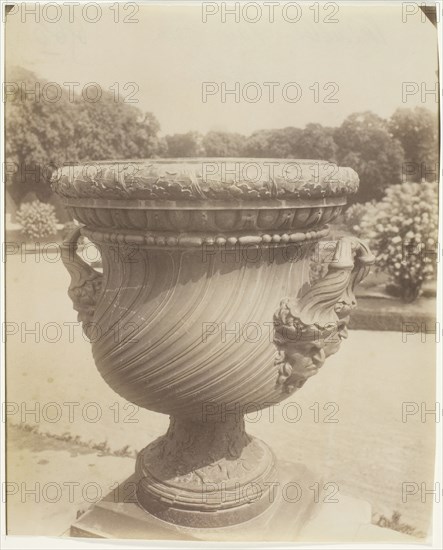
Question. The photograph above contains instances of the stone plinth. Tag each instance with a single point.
(293, 504)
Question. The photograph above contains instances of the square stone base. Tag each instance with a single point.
(297, 500)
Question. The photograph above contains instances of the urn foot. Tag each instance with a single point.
(205, 474)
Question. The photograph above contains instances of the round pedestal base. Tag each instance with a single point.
(208, 474)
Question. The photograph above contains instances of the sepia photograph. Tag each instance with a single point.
(221, 246)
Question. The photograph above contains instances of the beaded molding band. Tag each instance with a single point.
(192, 240)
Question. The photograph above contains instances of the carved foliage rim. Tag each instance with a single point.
(206, 179)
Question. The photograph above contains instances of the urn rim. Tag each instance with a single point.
(212, 180)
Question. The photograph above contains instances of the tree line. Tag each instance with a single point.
(41, 134)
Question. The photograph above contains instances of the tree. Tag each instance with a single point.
(223, 144)
(42, 134)
(39, 135)
(280, 143)
(110, 129)
(365, 144)
(185, 145)
(417, 131)
(317, 142)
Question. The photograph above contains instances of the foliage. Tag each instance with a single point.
(313, 142)
(103, 446)
(185, 145)
(316, 142)
(223, 144)
(39, 135)
(365, 144)
(394, 523)
(417, 131)
(42, 135)
(354, 214)
(110, 129)
(402, 230)
(273, 143)
(37, 219)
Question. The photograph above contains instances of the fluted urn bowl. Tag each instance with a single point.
(207, 308)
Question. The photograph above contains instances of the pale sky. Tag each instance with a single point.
(367, 56)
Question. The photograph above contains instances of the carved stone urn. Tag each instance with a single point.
(219, 293)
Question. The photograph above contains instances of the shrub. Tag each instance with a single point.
(354, 214)
(38, 219)
(402, 232)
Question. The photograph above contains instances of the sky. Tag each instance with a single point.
(324, 62)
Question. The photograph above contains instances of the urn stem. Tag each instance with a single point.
(205, 473)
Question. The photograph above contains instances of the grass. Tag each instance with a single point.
(395, 524)
(102, 447)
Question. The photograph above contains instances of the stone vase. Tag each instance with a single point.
(220, 294)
